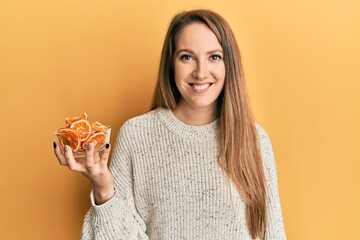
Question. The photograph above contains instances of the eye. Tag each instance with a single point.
(186, 57)
(215, 57)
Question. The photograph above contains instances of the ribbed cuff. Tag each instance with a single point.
(107, 209)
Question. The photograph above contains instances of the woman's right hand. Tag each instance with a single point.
(93, 166)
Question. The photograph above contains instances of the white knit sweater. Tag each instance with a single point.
(168, 185)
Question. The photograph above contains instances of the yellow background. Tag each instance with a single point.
(63, 58)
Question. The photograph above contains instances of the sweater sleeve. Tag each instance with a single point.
(117, 218)
(275, 227)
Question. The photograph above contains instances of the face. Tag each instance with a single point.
(199, 67)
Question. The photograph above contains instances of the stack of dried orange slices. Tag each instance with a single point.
(79, 132)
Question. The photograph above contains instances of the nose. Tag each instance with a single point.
(201, 70)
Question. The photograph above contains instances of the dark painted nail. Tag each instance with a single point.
(54, 144)
(89, 146)
(107, 146)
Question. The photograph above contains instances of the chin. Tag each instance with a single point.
(204, 105)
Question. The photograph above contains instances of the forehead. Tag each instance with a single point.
(197, 37)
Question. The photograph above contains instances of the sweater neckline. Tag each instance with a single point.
(195, 133)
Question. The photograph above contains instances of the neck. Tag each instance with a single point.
(195, 116)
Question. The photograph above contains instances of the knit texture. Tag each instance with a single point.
(168, 185)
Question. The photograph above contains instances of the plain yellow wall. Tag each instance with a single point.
(63, 58)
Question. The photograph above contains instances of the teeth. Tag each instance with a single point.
(201, 86)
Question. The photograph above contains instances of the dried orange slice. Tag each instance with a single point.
(79, 132)
(99, 127)
(97, 139)
(69, 137)
(82, 127)
(69, 121)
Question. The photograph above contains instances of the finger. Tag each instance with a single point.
(89, 156)
(96, 158)
(59, 155)
(69, 157)
(105, 155)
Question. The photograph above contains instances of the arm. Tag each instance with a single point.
(275, 227)
(117, 218)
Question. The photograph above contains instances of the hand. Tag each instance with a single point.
(93, 166)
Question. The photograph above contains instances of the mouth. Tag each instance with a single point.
(200, 87)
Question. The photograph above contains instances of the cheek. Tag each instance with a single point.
(178, 74)
(181, 72)
(177, 70)
(219, 72)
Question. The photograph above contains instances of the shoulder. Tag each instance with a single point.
(139, 126)
(265, 147)
(263, 136)
(142, 120)
(135, 128)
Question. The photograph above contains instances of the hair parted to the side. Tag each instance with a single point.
(240, 155)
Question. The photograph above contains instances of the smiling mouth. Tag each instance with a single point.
(200, 86)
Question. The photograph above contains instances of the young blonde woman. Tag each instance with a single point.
(196, 166)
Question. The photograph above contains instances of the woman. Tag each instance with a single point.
(195, 167)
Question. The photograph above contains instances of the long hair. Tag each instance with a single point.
(239, 155)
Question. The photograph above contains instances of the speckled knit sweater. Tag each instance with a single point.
(168, 185)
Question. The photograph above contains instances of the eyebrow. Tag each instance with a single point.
(191, 51)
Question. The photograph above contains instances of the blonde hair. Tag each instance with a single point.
(239, 155)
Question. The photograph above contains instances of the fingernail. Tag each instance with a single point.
(54, 144)
(67, 148)
(89, 146)
(107, 146)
